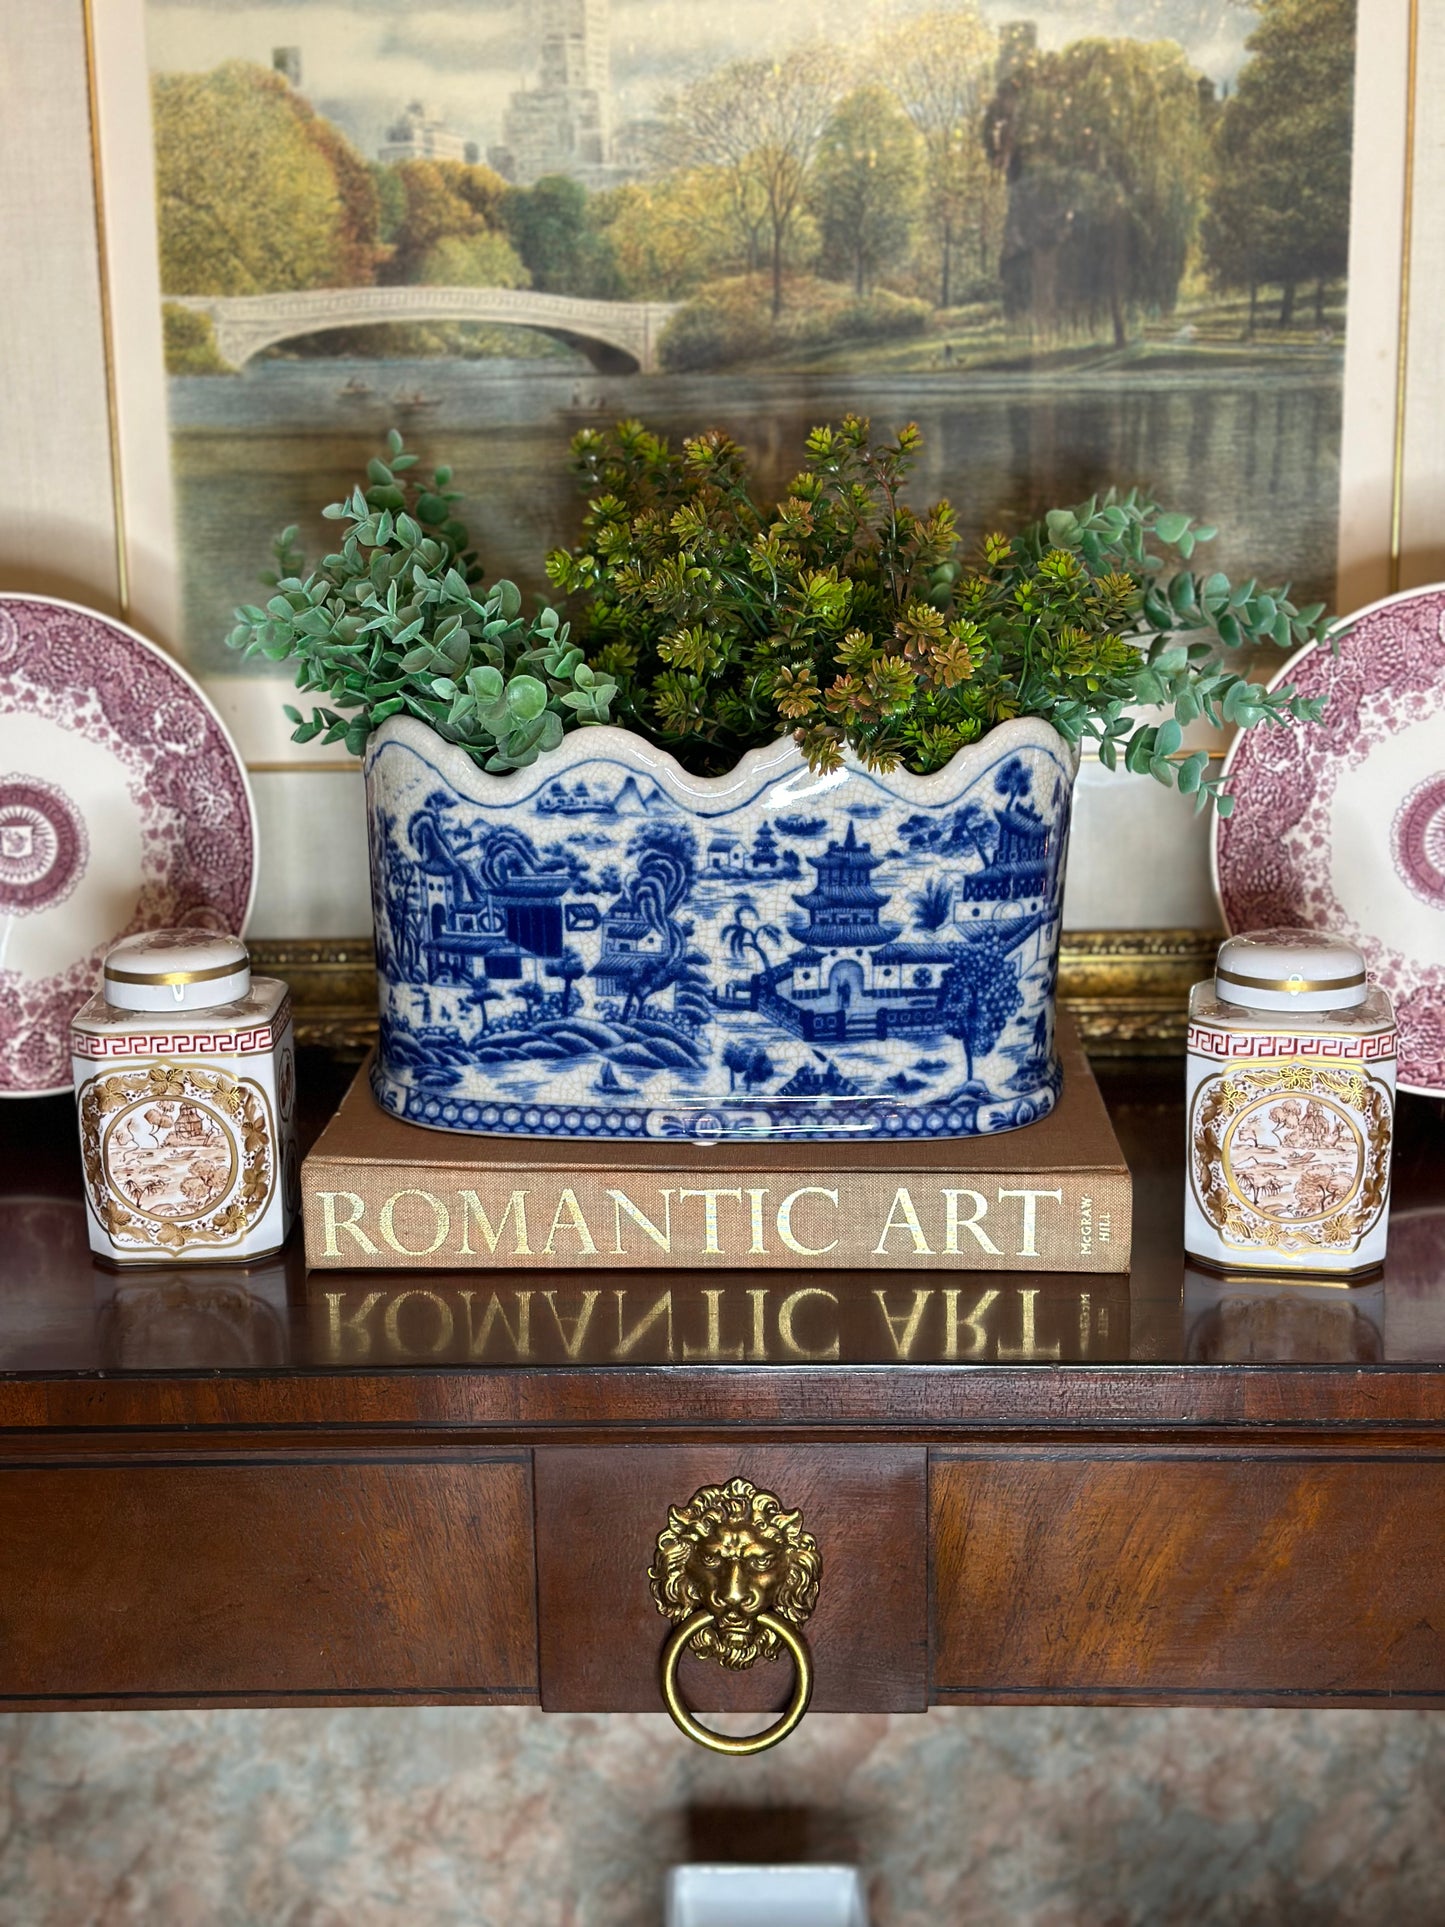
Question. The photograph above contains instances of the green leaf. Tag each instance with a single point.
(526, 697)
(1138, 751)
(1188, 773)
(1169, 528)
(486, 683)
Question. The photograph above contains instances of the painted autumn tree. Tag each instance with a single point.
(866, 185)
(1279, 200)
(447, 229)
(254, 192)
(760, 123)
(941, 67)
(672, 235)
(1102, 144)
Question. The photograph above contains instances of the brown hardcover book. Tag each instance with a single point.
(1055, 1196)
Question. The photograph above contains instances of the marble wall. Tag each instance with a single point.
(1015, 1817)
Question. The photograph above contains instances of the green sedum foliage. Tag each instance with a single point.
(855, 620)
(396, 622)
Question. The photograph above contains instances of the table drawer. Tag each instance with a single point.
(276, 1581)
(598, 1517)
(1188, 1576)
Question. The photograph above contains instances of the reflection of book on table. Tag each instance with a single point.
(1054, 1196)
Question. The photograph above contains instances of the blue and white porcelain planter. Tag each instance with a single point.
(604, 946)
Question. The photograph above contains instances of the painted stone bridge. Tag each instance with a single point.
(617, 336)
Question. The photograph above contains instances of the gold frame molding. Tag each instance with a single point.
(1127, 989)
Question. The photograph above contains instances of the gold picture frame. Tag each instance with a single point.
(1125, 986)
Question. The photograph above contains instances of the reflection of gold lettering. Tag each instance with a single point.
(1028, 1345)
(579, 1323)
(903, 1202)
(621, 1202)
(710, 1246)
(441, 1224)
(785, 1220)
(567, 1203)
(1029, 1247)
(758, 1245)
(974, 1322)
(521, 1336)
(472, 1208)
(628, 1341)
(953, 1223)
(331, 1224)
(759, 1350)
(904, 1330)
(786, 1313)
(1085, 1334)
(392, 1322)
(353, 1326)
(712, 1348)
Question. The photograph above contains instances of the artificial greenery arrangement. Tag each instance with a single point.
(396, 622)
(854, 620)
(712, 622)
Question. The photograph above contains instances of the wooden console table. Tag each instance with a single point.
(222, 1489)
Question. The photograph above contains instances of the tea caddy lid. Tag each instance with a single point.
(1291, 970)
(171, 970)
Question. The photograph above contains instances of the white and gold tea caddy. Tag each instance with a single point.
(1291, 1105)
(185, 1076)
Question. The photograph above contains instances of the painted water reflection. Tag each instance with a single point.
(1252, 445)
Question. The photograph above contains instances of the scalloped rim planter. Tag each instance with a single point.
(605, 946)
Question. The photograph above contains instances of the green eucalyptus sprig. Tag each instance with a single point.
(396, 622)
(1171, 622)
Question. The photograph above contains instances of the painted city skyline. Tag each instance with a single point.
(366, 63)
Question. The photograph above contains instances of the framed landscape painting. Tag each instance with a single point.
(1078, 244)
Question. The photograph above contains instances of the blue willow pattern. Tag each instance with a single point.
(603, 946)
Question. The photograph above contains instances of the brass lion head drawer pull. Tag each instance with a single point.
(740, 1575)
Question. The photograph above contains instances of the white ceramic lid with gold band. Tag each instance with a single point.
(171, 970)
(1304, 970)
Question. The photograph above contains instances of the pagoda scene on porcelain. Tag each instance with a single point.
(603, 945)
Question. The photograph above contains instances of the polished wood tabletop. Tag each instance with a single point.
(84, 1345)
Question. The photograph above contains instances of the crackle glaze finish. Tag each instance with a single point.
(605, 946)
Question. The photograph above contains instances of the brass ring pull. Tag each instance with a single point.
(753, 1742)
(738, 1575)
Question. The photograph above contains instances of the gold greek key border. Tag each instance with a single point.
(1128, 990)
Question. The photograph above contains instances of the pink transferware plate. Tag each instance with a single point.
(124, 806)
(1340, 825)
